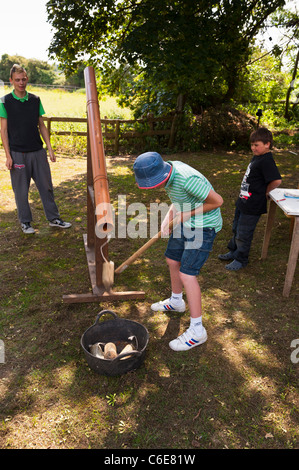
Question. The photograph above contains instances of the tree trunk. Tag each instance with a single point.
(180, 104)
(286, 112)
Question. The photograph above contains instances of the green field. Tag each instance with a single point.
(60, 103)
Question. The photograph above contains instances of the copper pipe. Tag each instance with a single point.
(103, 211)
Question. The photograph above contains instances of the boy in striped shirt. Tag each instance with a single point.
(195, 212)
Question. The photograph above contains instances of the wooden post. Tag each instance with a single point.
(90, 199)
(294, 250)
(269, 225)
(293, 257)
(99, 171)
(105, 127)
(116, 142)
(49, 126)
(99, 214)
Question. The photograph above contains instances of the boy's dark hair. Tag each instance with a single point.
(262, 134)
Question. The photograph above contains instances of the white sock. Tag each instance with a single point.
(196, 325)
(176, 299)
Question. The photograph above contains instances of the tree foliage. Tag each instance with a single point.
(289, 20)
(38, 71)
(160, 48)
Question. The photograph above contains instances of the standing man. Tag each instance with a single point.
(22, 126)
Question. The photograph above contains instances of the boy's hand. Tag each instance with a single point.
(9, 162)
(166, 226)
(52, 156)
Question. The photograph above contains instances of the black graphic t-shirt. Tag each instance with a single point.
(260, 172)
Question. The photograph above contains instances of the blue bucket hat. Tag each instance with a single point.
(151, 170)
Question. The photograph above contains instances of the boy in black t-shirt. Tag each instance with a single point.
(261, 177)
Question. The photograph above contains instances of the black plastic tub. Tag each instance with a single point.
(116, 330)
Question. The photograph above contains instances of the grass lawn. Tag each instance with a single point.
(238, 390)
(61, 103)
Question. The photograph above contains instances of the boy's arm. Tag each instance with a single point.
(272, 185)
(212, 201)
(45, 135)
(5, 142)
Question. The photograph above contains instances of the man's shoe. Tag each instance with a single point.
(26, 228)
(188, 340)
(234, 266)
(227, 256)
(164, 305)
(60, 223)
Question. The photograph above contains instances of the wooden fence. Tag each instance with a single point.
(117, 129)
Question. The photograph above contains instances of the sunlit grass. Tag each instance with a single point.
(73, 104)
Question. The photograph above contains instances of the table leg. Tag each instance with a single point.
(269, 225)
(293, 256)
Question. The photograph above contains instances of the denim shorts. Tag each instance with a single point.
(191, 247)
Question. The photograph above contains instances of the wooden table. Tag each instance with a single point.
(290, 207)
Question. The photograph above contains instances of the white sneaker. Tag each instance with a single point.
(26, 228)
(188, 340)
(60, 223)
(166, 305)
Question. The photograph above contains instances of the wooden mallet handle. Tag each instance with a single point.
(141, 250)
